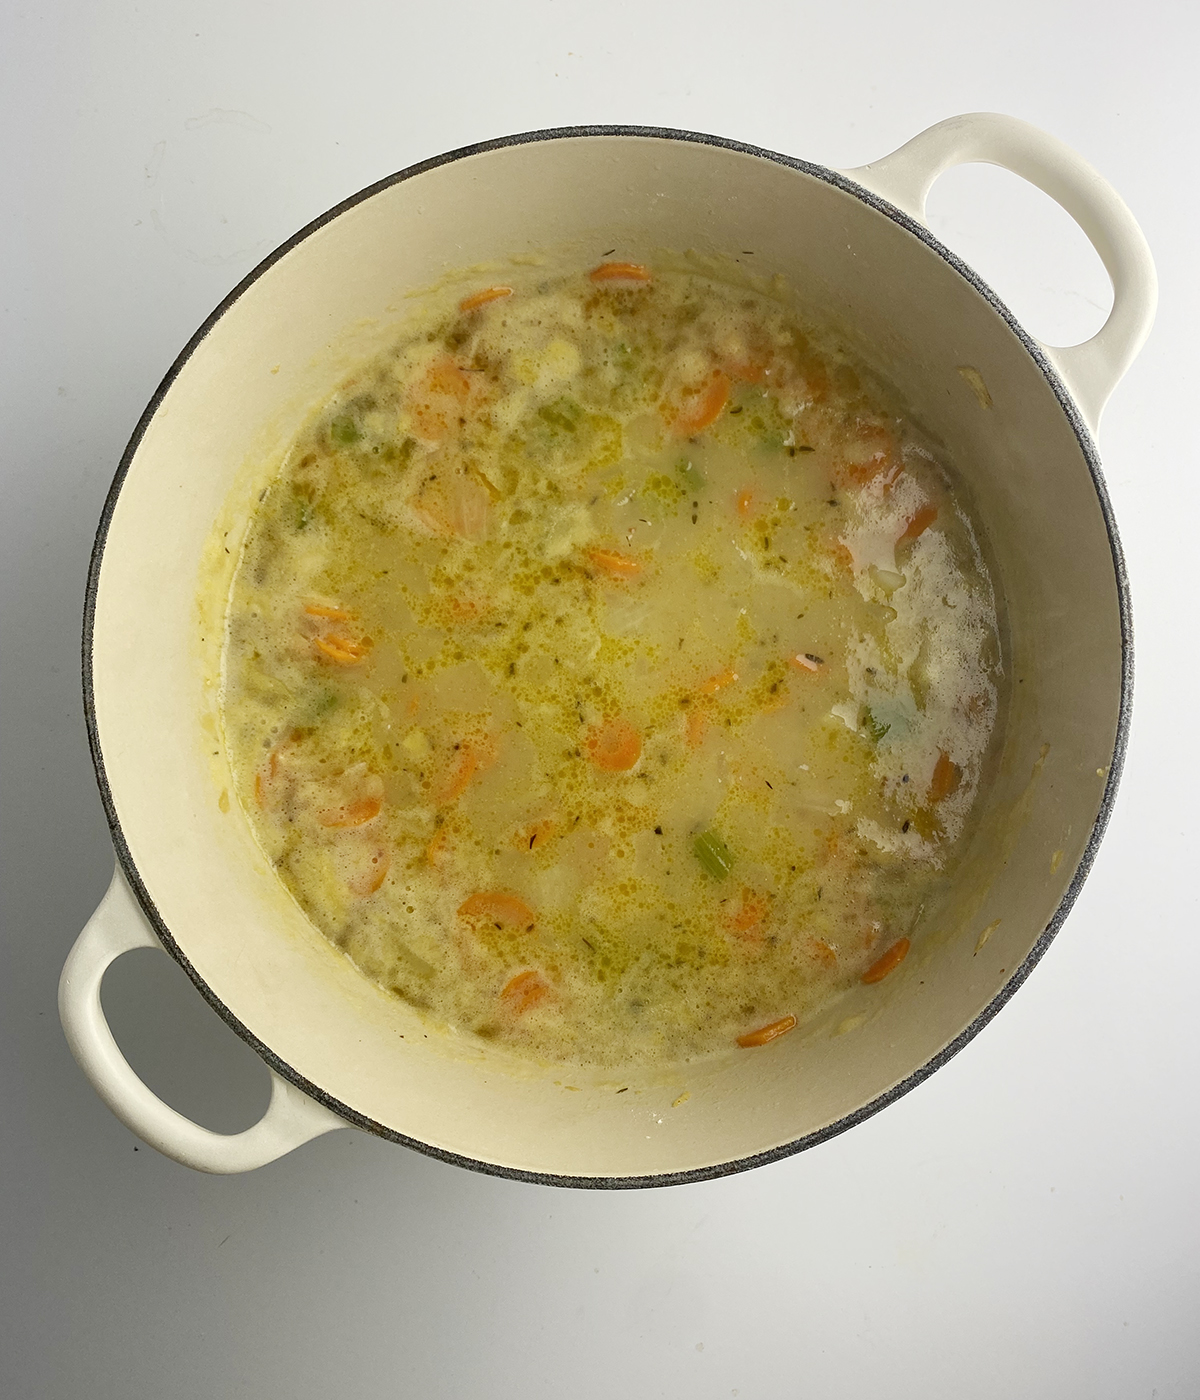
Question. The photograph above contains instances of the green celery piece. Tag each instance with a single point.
(344, 431)
(321, 703)
(563, 414)
(874, 726)
(692, 478)
(713, 854)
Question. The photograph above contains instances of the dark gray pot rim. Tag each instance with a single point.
(1018, 976)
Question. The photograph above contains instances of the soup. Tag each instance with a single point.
(611, 668)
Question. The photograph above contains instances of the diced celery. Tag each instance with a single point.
(713, 854)
(692, 477)
(874, 726)
(563, 414)
(344, 431)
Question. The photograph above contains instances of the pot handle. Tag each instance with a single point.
(117, 927)
(1091, 371)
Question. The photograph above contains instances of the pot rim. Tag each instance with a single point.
(1087, 446)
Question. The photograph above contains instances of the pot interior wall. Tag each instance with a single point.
(288, 340)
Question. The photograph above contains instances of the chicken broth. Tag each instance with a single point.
(610, 671)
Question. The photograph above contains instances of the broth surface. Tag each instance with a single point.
(610, 671)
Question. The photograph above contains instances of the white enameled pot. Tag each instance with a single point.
(1016, 417)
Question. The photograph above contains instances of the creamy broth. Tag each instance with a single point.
(611, 671)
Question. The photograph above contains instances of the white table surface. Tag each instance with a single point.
(1025, 1224)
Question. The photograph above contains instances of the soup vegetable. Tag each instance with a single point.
(610, 671)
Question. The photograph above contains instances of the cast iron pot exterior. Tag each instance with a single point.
(190, 877)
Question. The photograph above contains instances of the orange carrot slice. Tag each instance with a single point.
(840, 555)
(824, 953)
(870, 453)
(765, 1034)
(946, 777)
(437, 401)
(696, 727)
(615, 746)
(436, 852)
(745, 502)
(718, 682)
(473, 758)
(327, 610)
(703, 407)
(890, 960)
(497, 907)
(524, 991)
(461, 611)
(749, 367)
(267, 775)
(478, 299)
(342, 651)
(445, 377)
(620, 272)
(921, 520)
(749, 916)
(613, 563)
(355, 813)
(373, 874)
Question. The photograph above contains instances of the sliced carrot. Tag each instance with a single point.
(465, 610)
(478, 299)
(355, 813)
(749, 367)
(372, 876)
(823, 952)
(615, 746)
(921, 520)
(436, 852)
(702, 408)
(437, 401)
(433, 520)
(620, 272)
(836, 846)
(265, 778)
(328, 611)
(497, 907)
(890, 960)
(613, 563)
(445, 377)
(765, 1034)
(473, 758)
(525, 991)
(871, 452)
(841, 555)
(745, 502)
(696, 727)
(946, 777)
(718, 682)
(342, 651)
(749, 916)
(815, 377)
